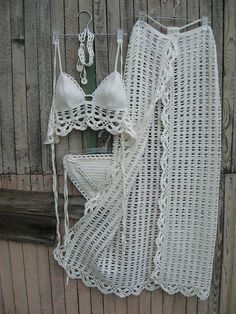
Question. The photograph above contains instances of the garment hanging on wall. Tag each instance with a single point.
(153, 224)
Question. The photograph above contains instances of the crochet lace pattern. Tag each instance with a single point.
(171, 175)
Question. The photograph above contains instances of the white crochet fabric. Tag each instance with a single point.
(167, 180)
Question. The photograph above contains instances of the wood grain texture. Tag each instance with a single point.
(45, 75)
(228, 280)
(19, 86)
(6, 278)
(6, 103)
(229, 83)
(32, 86)
(18, 277)
(31, 278)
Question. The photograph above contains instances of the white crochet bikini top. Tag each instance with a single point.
(106, 108)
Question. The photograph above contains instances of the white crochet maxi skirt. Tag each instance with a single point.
(153, 221)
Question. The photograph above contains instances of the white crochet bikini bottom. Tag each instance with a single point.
(88, 172)
(151, 212)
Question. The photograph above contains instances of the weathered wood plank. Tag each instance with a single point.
(6, 103)
(19, 87)
(1, 298)
(27, 228)
(102, 56)
(179, 304)
(31, 276)
(71, 296)
(127, 20)
(45, 75)
(37, 203)
(37, 184)
(109, 304)
(6, 278)
(191, 305)
(57, 284)
(168, 303)
(133, 304)
(96, 301)
(32, 86)
(120, 305)
(228, 280)
(84, 295)
(229, 83)
(156, 301)
(18, 277)
(145, 302)
(216, 18)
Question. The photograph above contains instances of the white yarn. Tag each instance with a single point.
(171, 175)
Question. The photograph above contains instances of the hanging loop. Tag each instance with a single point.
(90, 16)
(175, 7)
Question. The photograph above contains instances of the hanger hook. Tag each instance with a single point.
(176, 6)
(87, 12)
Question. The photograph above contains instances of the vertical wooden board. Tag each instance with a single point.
(71, 296)
(191, 305)
(2, 310)
(228, 280)
(32, 86)
(71, 48)
(58, 24)
(45, 75)
(6, 101)
(19, 87)
(140, 5)
(84, 295)
(133, 304)
(42, 259)
(18, 277)
(113, 22)
(101, 48)
(44, 279)
(96, 301)
(156, 301)
(127, 20)
(102, 55)
(6, 278)
(218, 30)
(179, 304)
(6, 181)
(145, 302)
(202, 307)
(31, 275)
(22, 182)
(57, 282)
(89, 137)
(154, 9)
(109, 303)
(70, 286)
(168, 303)
(214, 298)
(205, 7)
(218, 26)
(120, 305)
(229, 83)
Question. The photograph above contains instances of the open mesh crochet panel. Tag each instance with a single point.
(168, 177)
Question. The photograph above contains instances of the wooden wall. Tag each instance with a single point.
(31, 281)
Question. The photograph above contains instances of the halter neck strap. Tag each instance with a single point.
(57, 53)
(119, 52)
